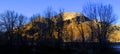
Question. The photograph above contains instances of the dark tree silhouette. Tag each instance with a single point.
(49, 13)
(79, 21)
(11, 21)
(60, 24)
(21, 20)
(103, 18)
(8, 21)
(20, 23)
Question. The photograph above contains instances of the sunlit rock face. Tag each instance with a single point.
(70, 15)
(115, 35)
(71, 28)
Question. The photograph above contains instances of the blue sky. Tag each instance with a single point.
(30, 7)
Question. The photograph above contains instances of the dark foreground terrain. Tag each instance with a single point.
(66, 48)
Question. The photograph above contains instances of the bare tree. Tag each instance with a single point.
(49, 13)
(79, 24)
(11, 21)
(90, 10)
(8, 20)
(60, 24)
(21, 20)
(103, 16)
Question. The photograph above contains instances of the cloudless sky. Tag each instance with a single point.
(30, 7)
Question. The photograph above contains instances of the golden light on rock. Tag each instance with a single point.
(71, 29)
